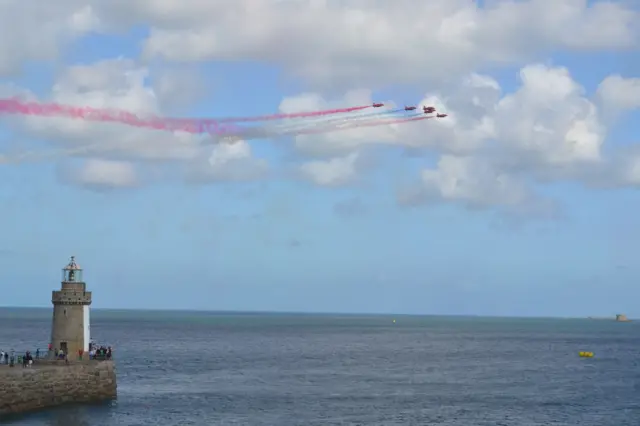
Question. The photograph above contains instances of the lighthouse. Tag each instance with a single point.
(70, 326)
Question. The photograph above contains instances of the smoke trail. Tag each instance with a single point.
(316, 122)
(248, 134)
(270, 132)
(358, 125)
(357, 117)
(297, 125)
(40, 155)
(350, 122)
(281, 116)
(223, 126)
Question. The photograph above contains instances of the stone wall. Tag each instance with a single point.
(46, 385)
(68, 327)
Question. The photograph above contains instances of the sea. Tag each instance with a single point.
(208, 368)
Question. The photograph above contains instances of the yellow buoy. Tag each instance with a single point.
(585, 354)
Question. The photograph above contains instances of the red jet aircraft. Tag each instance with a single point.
(377, 105)
(411, 108)
(428, 110)
(441, 115)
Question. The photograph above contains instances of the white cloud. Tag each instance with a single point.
(495, 147)
(336, 42)
(122, 85)
(477, 183)
(549, 118)
(359, 42)
(102, 174)
(547, 129)
(230, 162)
(474, 182)
(339, 142)
(33, 30)
(619, 94)
(179, 87)
(111, 84)
(338, 171)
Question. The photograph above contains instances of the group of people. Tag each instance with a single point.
(95, 352)
(101, 352)
(11, 359)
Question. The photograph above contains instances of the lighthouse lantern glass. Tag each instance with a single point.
(72, 275)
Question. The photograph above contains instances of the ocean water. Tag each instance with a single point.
(275, 369)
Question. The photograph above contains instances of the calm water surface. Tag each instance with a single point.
(242, 369)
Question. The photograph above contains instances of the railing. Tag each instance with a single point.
(49, 357)
(78, 357)
(37, 355)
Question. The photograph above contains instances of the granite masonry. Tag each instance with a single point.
(51, 384)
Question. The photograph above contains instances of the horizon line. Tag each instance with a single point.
(324, 313)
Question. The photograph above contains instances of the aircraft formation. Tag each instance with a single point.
(232, 129)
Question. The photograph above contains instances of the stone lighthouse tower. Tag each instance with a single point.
(70, 326)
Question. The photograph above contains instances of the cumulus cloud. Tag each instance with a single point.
(338, 171)
(495, 145)
(548, 119)
(98, 174)
(112, 84)
(229, 162)
(179, 87)
(479, 184)
(121, 84)
(619, 94)
(39, 31)
(345, 42)
(493, 151)
(355, 42)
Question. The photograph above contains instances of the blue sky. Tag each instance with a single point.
(282, 244)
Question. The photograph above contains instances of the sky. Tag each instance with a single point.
(522, 202)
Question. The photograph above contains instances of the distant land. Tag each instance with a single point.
(618, 318)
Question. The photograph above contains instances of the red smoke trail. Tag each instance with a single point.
(14, 106)
(262, 134)
(310, 114)
(189, 125)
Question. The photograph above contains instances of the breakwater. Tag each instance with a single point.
(49, 384)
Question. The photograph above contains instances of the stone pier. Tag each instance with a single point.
(51, 384)
(53, 381)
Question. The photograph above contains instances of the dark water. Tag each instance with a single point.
(220, 369)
